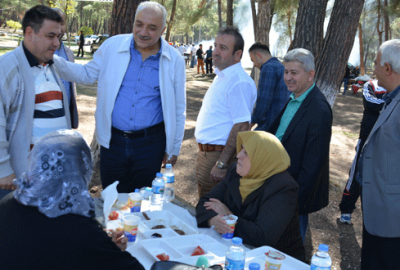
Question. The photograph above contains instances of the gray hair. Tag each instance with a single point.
(153, 5)
(305, 57)
(390, 53)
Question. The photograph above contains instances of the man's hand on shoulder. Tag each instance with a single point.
(218, 174)
(7, 182)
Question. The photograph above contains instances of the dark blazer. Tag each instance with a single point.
(268, 216)
(307, 140)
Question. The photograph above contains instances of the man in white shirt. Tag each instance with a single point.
(225, 111)
(193, 56)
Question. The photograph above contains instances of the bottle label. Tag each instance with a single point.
(314, 267)
(234, 265)
(170, 179)
(158, 189)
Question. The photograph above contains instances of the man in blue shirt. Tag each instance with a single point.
(272, 93)
(304, 127)
(209, 61)
(66, 53)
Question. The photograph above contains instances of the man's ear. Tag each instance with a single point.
(388, 69)
(238, 55)
(29, 33)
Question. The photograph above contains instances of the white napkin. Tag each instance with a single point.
(110, 195)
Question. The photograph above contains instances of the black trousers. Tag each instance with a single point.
(80, 50)
(379, 252)
(209, 66)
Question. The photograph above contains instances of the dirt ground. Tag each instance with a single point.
(324, 226)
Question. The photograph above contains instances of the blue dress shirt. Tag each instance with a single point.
(138, 104)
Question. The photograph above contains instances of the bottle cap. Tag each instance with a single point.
(323, 247)
(159, 174)
(254, 266)
(237, 240)
(168, 166)
(136, 190)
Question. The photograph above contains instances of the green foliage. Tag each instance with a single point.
(86, 30)
(14, 25)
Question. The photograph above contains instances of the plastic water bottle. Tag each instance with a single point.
(169, 177)
(157, 199)
(321, 259)
(235, 256)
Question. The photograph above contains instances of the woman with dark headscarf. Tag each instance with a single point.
(261, 193)
(47, 223)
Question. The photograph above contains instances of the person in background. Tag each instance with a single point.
(258, 190)
(226, 110)
(378, 171)
(304, 127)
(200, 61)
(141, 100)
(208, 61)
(32, 96)
(193, 56)
(81, 43)
(272, 92)
(346, 79)
(70, 88)
(373, 104)
(50, 215)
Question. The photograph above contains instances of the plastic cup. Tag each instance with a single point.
(130, 222)
(231, 221)
(135, 201)
(274, 260)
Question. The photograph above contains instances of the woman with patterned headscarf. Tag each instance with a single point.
(47, 223)
(261, 193)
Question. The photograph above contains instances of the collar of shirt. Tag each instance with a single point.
(388, 97)
(57, 52)
(134, 50)
(303, 96)
(227, 71)
(269, 60)
(31, 59)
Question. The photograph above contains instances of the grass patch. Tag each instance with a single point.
(5, 50)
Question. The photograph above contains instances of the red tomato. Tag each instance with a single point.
(163, 257)
(198, 251)
(113, 215)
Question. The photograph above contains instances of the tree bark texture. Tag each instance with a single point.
(229, 13)
(309, 31)
(386, 19)
(378, 22)
(263, 19)
(360, 39)
(338, 42)
(219, 13)
(123, 16)
(171, 21)
(254, 16)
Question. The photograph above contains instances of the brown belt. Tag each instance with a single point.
(211, 147)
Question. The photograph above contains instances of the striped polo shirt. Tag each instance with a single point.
(49, 114)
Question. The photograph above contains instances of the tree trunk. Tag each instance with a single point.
(338, 42)
(254, 15)
(378, 22)
(263, 21)
(386, 19)
(309, 31)
(360, 39)
(123, 16)
(219, 14)
(171, 21)
(289, 17)
(229, 12)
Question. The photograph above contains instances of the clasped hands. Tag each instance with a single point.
(119, 239)
(218, 222)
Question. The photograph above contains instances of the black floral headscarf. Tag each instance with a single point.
(60, 167)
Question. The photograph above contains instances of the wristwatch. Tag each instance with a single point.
(221, 165)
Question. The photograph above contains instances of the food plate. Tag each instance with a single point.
(164, 233)
(181, 247)
(258, 255)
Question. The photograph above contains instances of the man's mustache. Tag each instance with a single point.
(143, 37)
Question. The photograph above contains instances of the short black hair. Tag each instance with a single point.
(35, 16)
(259, 46)
(233, 31)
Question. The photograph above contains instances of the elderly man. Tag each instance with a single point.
(70, 88)
(225, 111)
(32, 96)
(141, 102)
(272, 93)
(304, 127)
(378, 169)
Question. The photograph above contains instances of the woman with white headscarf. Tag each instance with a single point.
(261, 193)
(47, 223)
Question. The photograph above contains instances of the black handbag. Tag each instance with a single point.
(171, 265)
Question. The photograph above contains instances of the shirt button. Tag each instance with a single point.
(133, 105)
(131, 119)
(139, 80)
